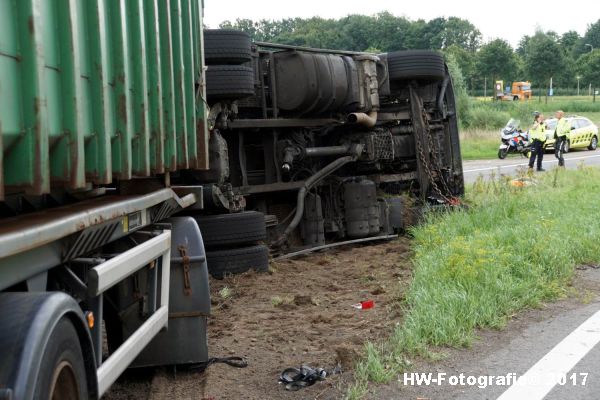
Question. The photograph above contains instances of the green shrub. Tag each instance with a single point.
(485, 118)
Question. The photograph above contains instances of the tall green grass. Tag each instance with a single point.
(479, 144)
(514, 248)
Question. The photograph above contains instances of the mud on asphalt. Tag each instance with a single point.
(298, 313)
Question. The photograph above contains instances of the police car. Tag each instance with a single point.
(584, 133)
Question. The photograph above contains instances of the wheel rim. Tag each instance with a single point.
(64, 383)
(594, 143)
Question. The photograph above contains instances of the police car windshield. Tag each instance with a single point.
(551, 123)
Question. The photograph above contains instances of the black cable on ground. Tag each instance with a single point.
(236, 362)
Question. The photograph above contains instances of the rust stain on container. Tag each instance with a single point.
(122, 108)
(38, 170)
(30, 25)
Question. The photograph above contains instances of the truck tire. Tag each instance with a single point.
(416, 64)
(236, 261)
(226, 46)
(232, 229)
(62, 372)
(229, 82)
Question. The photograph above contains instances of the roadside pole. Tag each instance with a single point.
(485, 87)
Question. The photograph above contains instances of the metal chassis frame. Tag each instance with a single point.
(34, 243)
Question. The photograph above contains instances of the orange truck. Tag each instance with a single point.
(518, 91)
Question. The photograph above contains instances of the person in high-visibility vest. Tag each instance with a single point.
(537, 136)
(561, 134)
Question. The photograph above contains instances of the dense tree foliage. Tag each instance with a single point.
(592, 36)
(544, 58)
(537, 58)
(496, 59)
(589, 67)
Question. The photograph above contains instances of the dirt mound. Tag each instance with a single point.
(322, 330)
(299, 313)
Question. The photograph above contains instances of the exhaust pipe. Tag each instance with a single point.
(363, 119)
(309, 183)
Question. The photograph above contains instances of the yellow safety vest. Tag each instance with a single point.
(538, 133)
(563, 128)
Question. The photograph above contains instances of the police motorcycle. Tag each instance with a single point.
(514, 140)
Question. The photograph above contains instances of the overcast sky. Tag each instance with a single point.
(507, 19)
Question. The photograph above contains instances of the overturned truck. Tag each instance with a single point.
(124, 158)
(328, 144)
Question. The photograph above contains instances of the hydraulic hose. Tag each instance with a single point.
(308, 184)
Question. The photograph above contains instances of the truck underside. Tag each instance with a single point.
(328, 144)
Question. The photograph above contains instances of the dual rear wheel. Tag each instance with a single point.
(234, 242)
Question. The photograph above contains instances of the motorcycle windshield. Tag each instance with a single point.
(513, 124)
(510, 129)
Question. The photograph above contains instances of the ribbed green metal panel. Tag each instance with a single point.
(24, 134)
(68, 161)
(98, 147)
(188, 80)
(155, 103)
(121, 79)
(140, 149)
(96, 90)
(202, 135)
(168, 85)
(179, 81)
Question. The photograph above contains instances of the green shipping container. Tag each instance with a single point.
(93, 91)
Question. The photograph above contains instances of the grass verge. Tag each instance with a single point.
(514, 248)
(478, 144)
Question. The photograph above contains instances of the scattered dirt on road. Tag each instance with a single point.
(299, 313)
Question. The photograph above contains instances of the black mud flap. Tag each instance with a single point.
(185, 341)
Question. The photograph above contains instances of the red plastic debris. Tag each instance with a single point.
(364, 305)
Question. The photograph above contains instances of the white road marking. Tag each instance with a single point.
(524, 164)
(496, 167)
(556, 363)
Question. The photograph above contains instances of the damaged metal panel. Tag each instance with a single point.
(97, 91)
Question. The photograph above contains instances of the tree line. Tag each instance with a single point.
(537, 58)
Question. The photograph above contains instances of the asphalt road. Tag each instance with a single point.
(510, 165)
(539, 343)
